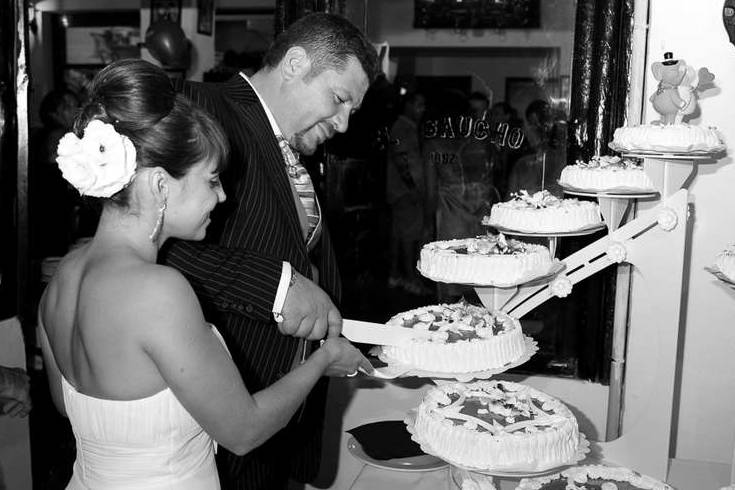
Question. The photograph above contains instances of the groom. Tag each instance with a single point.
(267, 272)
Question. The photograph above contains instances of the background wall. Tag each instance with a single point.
(705, 428)
(392, 21)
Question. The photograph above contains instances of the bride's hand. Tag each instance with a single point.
(344, 358)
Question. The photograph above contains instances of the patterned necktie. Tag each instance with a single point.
(304, 190)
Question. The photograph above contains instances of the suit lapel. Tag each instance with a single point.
(242, 93)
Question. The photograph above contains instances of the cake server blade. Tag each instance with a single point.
(378, 333)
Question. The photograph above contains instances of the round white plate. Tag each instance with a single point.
(618, 193)
(587, 230)
(531, 348)
(459, 474)
(424, 462)
(582, 449)
(669, 153)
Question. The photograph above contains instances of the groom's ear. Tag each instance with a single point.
(295, 64)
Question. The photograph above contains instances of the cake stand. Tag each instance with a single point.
(552, 236)
(613, 204)
(500, 297)
(496, 297)
(669, 170)
(406, 370)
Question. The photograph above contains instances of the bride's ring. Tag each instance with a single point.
(352, 374)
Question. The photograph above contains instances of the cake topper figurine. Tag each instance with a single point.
(679, 86)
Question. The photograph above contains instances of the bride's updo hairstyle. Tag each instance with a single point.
(167, 130)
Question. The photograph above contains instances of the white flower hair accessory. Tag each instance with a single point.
(101, 163)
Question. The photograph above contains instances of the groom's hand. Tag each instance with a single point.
(308, 312)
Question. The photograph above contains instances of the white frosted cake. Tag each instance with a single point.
(726, 262)
(673, 138)
(591, 477)
(543, 212)
(486, 261)
(496, 425)
(464, 338)
(606, 173)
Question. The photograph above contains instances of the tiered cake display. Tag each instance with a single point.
(491, 427)
(488, 428)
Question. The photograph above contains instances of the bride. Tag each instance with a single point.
(146, 383)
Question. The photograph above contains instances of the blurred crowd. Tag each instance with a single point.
(450, 159)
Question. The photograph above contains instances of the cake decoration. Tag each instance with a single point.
(679, 89)
(617, 252)
(725, 262)
(667, 219)
(590, 477)
(561, 287)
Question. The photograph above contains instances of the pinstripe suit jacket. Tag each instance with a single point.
(236, 270)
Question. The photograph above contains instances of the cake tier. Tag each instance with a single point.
(593, 477)
(726, 262)
(675, 138)
(606, 173)
(543, 213)
(467, 338)
(497, 425)
(485, 260)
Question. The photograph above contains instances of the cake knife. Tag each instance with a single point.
(379, 333)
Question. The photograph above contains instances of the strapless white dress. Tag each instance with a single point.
(152, 443)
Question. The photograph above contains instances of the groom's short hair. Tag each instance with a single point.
(329, 40)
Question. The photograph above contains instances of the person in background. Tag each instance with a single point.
(53, 204)
(145, 380)
(406, 195)
(503, 115)
(479, 103)
(540, 167)
(15, 400)
(267, 271)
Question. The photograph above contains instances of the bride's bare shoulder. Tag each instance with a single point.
(157, 284)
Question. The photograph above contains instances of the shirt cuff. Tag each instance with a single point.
(281, 291)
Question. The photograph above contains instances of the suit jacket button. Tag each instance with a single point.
(248, 308)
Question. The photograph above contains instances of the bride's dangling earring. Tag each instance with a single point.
(159, 223)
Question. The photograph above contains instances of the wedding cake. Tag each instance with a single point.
(543, 212)
(593, 477)
(605, 174)
(465, 338)
(496, 425)
(725, 262)
(672, 138)
(485, 260)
